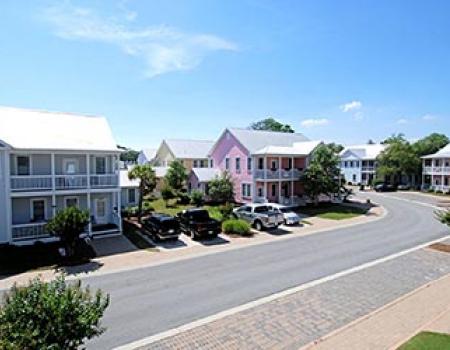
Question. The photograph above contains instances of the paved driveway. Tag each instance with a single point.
(151, 300)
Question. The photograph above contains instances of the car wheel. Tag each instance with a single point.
(258, 225)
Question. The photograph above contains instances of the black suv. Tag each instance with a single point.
(162, 227)
(384, 187)
(197, 223)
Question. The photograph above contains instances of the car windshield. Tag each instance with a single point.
(285, 210)
(200, 215)
(169, 223)
(261, 209)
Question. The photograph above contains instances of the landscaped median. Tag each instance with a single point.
(427, 341)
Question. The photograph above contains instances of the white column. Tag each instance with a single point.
(292, 191)
(53, 184)
(88, 172)
(279, 179)
(119, 205)
(264, 178)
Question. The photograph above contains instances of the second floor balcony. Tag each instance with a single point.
(278, 174)
(436, 170)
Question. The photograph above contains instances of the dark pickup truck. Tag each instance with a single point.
(197, 224)
(162, 227)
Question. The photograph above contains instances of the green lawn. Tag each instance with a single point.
(427, 341)
(160, 207)
(332, 211)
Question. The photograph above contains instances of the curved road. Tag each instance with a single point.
(151, 300)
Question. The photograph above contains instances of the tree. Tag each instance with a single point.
(68, 224)
(147, 182)
(271, 124)
(176, 176)
(430, 144)
(322, 173)
(167, 193)
(197, 198)
(370, 142)
(336, 147)
(221, 189)
(129, 155)
(54, 315)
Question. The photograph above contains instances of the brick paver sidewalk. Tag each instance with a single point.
(298, 319)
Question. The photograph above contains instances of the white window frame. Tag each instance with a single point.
(195, 163)
(106, 164)
(30, 163)
(249, 163)
(227, 163)
(237, 164)
(72, 197)
(67, 160)
(32, 200)
(246, 190)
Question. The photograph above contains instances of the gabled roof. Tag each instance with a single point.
(189, 149)
(42, 130)
(442, 153)
(369, 151)
(147, 153)
(298, 148)
(205, 174)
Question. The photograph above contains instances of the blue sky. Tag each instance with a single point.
(342, 71)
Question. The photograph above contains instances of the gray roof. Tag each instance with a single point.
(368, 151)
(255, 140)
(206, 174)
(189, 149)
(149, 153)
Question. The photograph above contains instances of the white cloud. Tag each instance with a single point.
(164, 49)
(402, 121)
(429, 117)
(308, 123)
(351, 106)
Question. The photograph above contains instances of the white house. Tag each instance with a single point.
(358, 163)
(52, 160)
(129, 190)
(436, 170)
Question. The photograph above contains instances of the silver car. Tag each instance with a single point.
(260, 216)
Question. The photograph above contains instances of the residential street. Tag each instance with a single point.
(148, 301)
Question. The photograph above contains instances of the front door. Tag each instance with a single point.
(101, 216)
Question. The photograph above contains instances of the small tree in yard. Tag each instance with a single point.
(167, 194)
(176, 176)
(197, 198)
(147, 182)
(322, 174)
(54, 315)
(68, 225)
(221, 189)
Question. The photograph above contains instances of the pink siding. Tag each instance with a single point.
(299, 163)
(229, 146)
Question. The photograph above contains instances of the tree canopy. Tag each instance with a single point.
(430, 144)
(129, 155)
(270, 124)
(221, 189)
(176, 176)
(147, 182)
(336, 147)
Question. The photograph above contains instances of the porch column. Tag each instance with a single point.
(88, 172)
(9, 228)
(292, 191)
(53, 184)
(279, 179)
(119, 206)
(265, 166)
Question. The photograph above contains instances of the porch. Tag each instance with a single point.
(279, 168)
(283, 192)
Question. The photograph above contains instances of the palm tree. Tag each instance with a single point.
(147, 182)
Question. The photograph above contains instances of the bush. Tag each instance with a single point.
(130, 211)
(444, 216)
(237, 227)
(226, 210)
(53, 315)
(183, 198)
(147, 208)
(167, 193)
(197, 198)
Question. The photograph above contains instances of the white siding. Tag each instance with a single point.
(3, 198)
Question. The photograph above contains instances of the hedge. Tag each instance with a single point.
(237, 227)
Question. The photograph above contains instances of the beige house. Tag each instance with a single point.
(192, 153)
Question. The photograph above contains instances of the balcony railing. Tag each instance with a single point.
(441, 170)
(278, 174)
(443, 188)
(69, 182)
(29, 231)
(104, 180)
(368, 168)
(31, 183)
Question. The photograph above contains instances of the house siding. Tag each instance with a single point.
(3, 198)
(229, 147)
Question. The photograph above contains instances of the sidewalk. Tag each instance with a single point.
(425, 309)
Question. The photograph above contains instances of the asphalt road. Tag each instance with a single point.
(151, 300)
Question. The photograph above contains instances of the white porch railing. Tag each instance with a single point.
(443, 170)
(104, 180)
(442, 188)
(68, 182)
(29, 231)
(278, 174)
(31, 183)
(368, 168)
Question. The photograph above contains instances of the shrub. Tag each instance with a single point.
(167, 194)
(68, 225)
(147, 208)
(444, 216)
(53, 315)
(236, 226)
(226, 210)
(183, 198)
(197, 198)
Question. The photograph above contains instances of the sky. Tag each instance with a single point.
(338, 71)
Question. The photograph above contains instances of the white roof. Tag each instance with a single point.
(189, 149)
(297, 148)
(125, 181)
(205, 174)
(42, 130)
(442, 153)
(149, 153)
(369, 151)
(160, 171)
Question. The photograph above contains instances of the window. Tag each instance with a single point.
(23, 165)
(131, 195)
(260, 192)
(289, 164)
(238, 165)
(211, 163)
(70, 166)
(274, 190)
(38, 210)
(274, 165)
(437, 162)
(354, 178)
(249, 163)
(71, 202)
(195, 163)
(246, 190)
(100, 165)
(227, 163)
(260, 163)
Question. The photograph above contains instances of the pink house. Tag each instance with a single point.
(265, 165)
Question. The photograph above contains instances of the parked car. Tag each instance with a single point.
(162, 227)
(289, 216)
(385, 188)
(198, 224)
(260, 216)
(402, 187)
